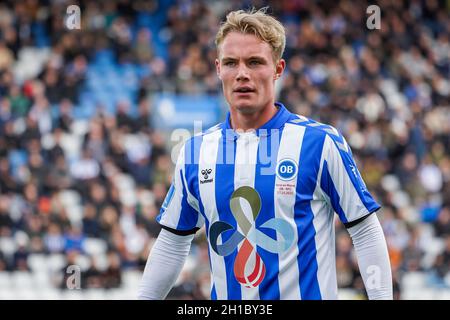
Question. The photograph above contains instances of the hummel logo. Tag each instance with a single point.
(206, 173)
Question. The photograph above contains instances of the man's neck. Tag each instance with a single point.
(252, 121)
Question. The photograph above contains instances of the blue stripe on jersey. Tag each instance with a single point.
(356, 179)
(192, 156)
(225, 177)
(269, 288)
(169, 195)
(326, 183)
(187, 220)
(309, 163)
(213, 290)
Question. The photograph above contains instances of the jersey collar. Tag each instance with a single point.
(276, 122)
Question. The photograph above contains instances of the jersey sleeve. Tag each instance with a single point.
(342, 183)
(180, 211)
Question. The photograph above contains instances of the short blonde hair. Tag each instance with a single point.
(258, 23)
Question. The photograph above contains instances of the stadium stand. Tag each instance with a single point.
(86, 118)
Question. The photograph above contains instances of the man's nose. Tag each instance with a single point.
(242, 73)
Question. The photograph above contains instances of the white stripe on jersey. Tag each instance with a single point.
(207, 160)
(290, 146)
(190, 198)
(350, 201)
(325, 240)
(244, 175)
(174, 206)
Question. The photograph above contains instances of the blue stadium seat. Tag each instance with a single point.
(17, 158)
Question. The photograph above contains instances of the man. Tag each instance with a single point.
(265, 183)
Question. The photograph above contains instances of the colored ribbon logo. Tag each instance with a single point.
(250, 278)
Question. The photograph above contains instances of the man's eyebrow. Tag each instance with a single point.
(228, 59)
(249, 58)
(256, 58)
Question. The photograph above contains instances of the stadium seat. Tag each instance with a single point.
(56, 262)
(69, 197)
(447, 279)
(75, 213)
(80, 127)
(347, 294)
(130, 294)
(434, 246)
(41, 280)
(30, 62)
(49, 294)
(37, 262)
(83, 262)
(22, 280)
(72, 145)
(102, 262)
(7, 294)
(7, 246)
(420, 294)
(444, 294)
(5, 280)
(124, 181)
(131, 278)
(72, 295)
(121, 294)
(24, 294)
(94, 246)
(94, 294)
(17, 158)
(114, 294)
(414, 280)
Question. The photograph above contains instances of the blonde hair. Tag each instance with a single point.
(258, 23)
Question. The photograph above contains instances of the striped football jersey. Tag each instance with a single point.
(267, 199)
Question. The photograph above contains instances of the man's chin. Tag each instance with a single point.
(246, 109)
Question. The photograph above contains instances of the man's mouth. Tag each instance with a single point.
(244, 90)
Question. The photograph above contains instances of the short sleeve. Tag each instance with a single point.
(342, 183)
(179, 211)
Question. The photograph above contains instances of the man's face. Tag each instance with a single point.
(248, 72)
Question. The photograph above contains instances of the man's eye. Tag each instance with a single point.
(229, 63)
(255, 62)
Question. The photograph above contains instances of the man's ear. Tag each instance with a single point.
(217, 62)
(279, 68)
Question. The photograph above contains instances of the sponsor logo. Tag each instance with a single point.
(249, 268)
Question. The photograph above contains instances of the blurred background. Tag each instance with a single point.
(87, 117)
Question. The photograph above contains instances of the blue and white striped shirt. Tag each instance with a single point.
(267, 199)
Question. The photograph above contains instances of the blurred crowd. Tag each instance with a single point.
(92, 187)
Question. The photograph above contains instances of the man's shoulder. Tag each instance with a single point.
(191, 146)
(319, 129)
(316, 126)
(213, 129)
(197, 137)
